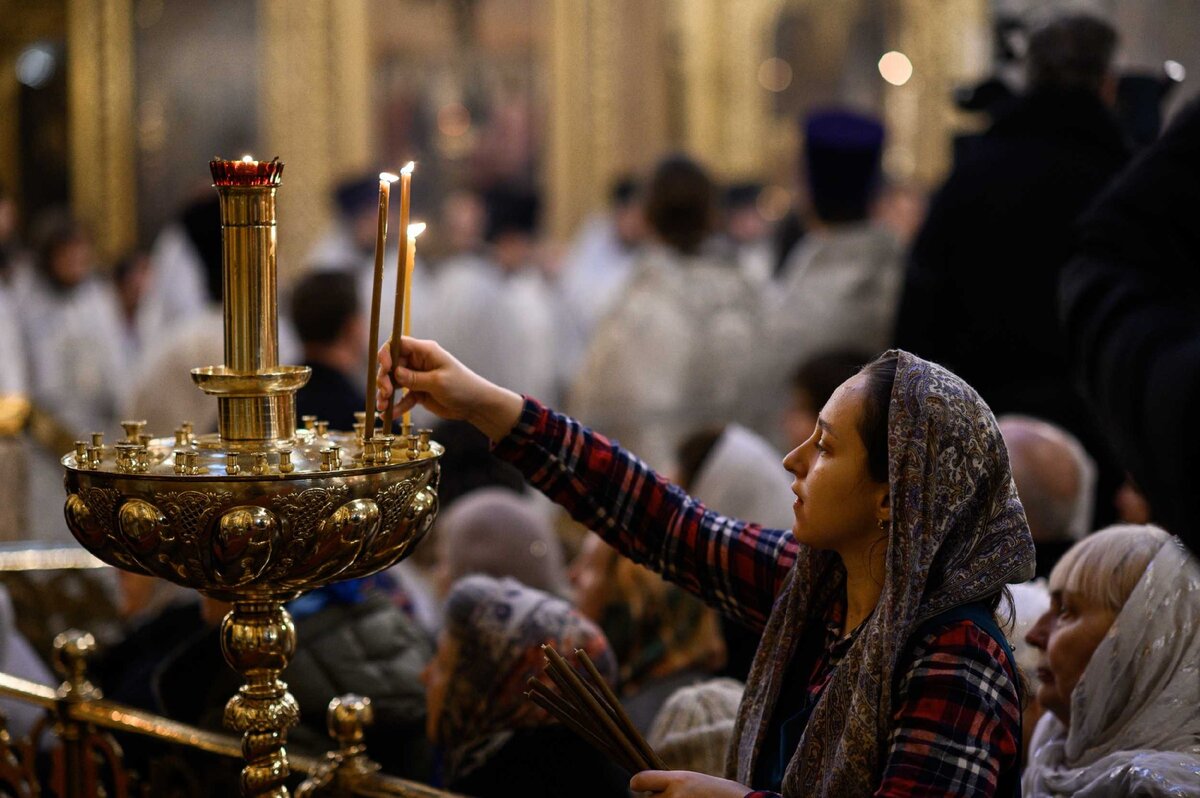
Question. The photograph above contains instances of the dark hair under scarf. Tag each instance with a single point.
(958, 535)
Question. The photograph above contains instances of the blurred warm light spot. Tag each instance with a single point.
(895, 68)
(775, 74)
(1175, 71)
(247, 158)
(453, 120)
(773, 203)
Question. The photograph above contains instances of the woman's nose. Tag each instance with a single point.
(1036, 636)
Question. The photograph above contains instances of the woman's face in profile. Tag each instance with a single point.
(838, 505)
(1066, 636)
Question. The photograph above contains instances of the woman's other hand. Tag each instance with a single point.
(685, 784)
(434, 379)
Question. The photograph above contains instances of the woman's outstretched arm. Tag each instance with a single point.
(735, 566)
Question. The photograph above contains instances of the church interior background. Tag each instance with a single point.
(105, 105)
(567, 94)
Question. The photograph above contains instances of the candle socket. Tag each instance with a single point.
(180, 462)
(310, 422)
(322, 428)
(81, 449)
(232, 466)
(260, 467)
(133, 430)
(328, 459)
(98, 440)
(285, 461)
(384, 450)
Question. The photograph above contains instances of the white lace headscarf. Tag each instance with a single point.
(1135, 713)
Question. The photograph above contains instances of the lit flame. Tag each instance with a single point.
(247, 159)
(388, 177)
(408, 168)
(415, 229)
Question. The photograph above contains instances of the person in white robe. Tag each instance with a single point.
(673, 354)
(13, 413)
(839, 288)
(595, 272)
(495, 311)
(76, 369)
(743, 477)
(175, 288)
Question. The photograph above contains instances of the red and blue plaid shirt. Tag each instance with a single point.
(956, 727)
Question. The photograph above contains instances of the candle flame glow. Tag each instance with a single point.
(388, 177)
(408, 168)
(415, 229)
(247, 159)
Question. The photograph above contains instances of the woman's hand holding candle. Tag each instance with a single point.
(434, 379)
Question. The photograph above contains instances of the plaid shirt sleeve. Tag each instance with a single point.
(734, 566)
(958, 725)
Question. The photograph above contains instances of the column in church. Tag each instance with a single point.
(611, 72)
(316, 113)
(726, 111)
(946, 50)
(100, 121)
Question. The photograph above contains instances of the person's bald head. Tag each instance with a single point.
(1055, 478)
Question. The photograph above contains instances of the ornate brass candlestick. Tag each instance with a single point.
(260, 512)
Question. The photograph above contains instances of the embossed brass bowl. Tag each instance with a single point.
(246, 537)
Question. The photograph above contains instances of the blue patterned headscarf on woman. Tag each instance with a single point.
(500, 626)
(958, 535)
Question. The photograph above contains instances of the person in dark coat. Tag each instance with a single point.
(986, 263)
(326, 314)
(1130, 305)
(350, 638)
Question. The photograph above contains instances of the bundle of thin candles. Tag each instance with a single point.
(586, 705)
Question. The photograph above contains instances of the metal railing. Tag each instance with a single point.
(73, 753)
(86, 761)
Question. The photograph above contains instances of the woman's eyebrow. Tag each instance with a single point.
(824, 425)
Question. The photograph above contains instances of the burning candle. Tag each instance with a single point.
(385, 189)
(398, 309)
(410, 258)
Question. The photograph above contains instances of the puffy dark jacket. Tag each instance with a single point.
(370, 648)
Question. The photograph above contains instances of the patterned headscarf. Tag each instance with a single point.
(1135, 713)
(500, 626)
(958, 535)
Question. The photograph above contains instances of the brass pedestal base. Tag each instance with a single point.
(258, 639)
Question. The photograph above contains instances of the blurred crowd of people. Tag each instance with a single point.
(705, 339)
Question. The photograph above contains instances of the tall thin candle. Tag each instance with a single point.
(410, 259)
(398, 309)
(385, 189)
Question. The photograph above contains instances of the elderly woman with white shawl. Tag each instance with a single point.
(1119, 671)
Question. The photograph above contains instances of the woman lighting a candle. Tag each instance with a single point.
(882, 670)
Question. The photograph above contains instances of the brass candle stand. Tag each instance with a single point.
(260, 512)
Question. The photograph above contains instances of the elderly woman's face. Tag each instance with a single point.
(436, 678)
(1066, 636)
(838, 505)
